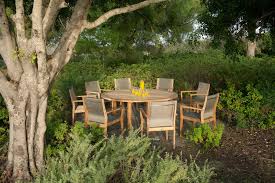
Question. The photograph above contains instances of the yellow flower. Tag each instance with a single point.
(141, 85)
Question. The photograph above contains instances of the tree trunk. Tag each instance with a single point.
(27, 116)
(251, 48)
(20, 151)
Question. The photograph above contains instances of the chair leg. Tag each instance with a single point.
(167, 135)
(174, 139)
(114, 107)
(72, 116)
(105, 132)
(141, 123)
(122, 126)
(122, 121)
(215, 122)
(181, 122)
(86, 124)
(193, 124)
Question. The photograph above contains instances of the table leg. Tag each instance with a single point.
(114, 106)
(129, 114)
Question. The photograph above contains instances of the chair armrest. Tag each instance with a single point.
(95, 93)
(186, 91)
(197, 94)
(81, 96)
(106, 90)
(113, 110)
(77, 101)
(189, 107)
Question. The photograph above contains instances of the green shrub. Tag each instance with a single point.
(207, 137)
(4, 118)
(244, 107)
(58, 135)
(3, 136)
(129, 159)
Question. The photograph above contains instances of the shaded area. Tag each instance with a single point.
(245, 155)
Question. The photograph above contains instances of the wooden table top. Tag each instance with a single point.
(127, 96)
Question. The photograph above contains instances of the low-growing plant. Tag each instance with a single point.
(245, 108)
(58, 135)
(4, 117)
(3, 136)
(206, 136)
(118, 159)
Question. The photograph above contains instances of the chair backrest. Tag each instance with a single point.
(95, 110)
(123, 84)
(92, 86)
(72, 94)
(162, 114)
(203, 88)
(210, 106)
(165, 84)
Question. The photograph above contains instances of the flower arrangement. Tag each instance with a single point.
(141, 92)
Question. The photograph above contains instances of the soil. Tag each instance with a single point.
(245, 155)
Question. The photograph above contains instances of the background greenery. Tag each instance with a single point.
(246, 87)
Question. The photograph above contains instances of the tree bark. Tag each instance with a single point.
(40, 132)
(251, 49)
(20, 152)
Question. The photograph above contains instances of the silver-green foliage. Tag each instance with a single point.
(129, 159)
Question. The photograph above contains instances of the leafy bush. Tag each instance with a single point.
(3, 136)
(4, 117)
(206, 136)
(117, 159)
(244, 107)
(58, 135)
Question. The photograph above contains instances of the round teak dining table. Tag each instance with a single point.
(126, 96)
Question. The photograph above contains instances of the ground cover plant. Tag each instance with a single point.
(206, 136)
(119, 159)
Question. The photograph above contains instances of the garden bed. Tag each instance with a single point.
(245, 155)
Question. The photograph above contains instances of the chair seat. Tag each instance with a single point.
(198, 99)
(79, 109)
(195, 99)
(100, 119)
(161, 122)
(192, 115)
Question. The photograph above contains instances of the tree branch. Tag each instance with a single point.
(64, 50)
(8, 47)
(51, 14)
(103, 18)
(38, 40)
(77, 24)
(20, 23)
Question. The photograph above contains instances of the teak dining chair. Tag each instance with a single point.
(165, 84)
(93, 88)
(95, 112)
(206, 114)
(197, 96)
(77, 104)
(161, 116)
(123, 84)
